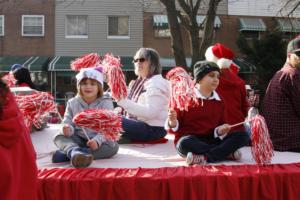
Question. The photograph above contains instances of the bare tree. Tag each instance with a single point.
(176, 37)
(187, 13)
(290, 6)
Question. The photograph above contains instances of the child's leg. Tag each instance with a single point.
(106, 150)
(66, 143)
(71, 147)
(194, 144)
(231, 143)
(138, 130)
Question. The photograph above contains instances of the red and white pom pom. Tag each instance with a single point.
(182, 89)
(34, 106)
(116, 79)
(85, 61)
(262, 147)
(9, 79)
(104, 122)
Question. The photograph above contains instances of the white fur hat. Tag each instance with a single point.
(220, 55)
(91, 73)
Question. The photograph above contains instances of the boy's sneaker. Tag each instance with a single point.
(80, 159)
(195, 159)
(236, 155)
(59, 156)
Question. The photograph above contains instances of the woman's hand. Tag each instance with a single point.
(92, 144)
(66, 130)
(172, 118)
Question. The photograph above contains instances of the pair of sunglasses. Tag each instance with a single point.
(139, 60)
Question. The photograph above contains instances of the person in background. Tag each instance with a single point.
(22, 75)
(231, 88)
(202, 133)
(18, 170)
(281, 104)
(146, 106)
(73, 144)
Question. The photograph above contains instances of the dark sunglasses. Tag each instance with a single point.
(138, 60)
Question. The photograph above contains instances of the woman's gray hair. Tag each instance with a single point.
(153, 57)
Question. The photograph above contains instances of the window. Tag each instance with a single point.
(162, 32)
(76, 26)
(32, 25)
(1, 25)
(251, 34)
(118, 27)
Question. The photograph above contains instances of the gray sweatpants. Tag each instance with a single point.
(107, 149)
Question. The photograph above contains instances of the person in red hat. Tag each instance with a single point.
(18, 170)
(281, 104)
(231, 88)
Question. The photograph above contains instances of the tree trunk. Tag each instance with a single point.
(209, 26)
(195, 44)
(176, 37)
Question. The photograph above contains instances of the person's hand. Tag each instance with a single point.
(224, 129)
(172, 118)
(254, 100)
(118, 110)
(92, 144)
(66, 130)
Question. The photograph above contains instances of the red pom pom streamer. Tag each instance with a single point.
(116, 79)
(182, 89)
(9, 79)
(34, 106)
(85, 61)
(262, 147)
(105, 122)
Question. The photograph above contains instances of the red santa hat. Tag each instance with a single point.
(221, 55)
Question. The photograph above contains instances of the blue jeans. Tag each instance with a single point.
(214, 149)
(140, 131)
(106, 150)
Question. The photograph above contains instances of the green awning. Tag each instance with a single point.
(62, 63)
(168, 63)
(245, 66)
(289, 25)
(33, 63)
(127, 64)
(161, 21)
(7, 61)
(252, 24)
(38, 64)
(201, 18)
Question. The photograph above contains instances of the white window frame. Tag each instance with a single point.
(77, 36)
(118, 36)
(2, 25)
(43, 30)
(247, 37)
(162, 33)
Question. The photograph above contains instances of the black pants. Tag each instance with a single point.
(214, 149)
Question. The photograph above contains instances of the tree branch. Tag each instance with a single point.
(287, 3)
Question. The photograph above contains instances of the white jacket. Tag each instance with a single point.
(152, 104)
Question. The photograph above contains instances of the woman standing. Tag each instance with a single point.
(18, 170)
(146, 106)
(22, 75)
